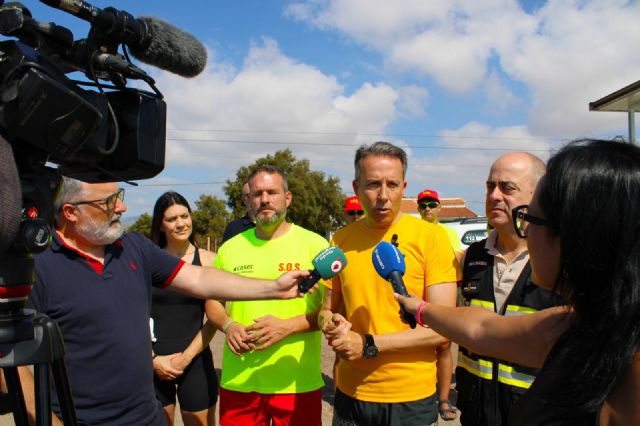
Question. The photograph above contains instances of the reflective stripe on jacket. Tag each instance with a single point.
(488, 387)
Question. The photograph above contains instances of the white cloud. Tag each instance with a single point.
(448, 41)
(579, 53)
(561, 56)
(227, 117)
(546, 65)
(450, 59)
(413, 100)
(499, 98)
(460, 168)
(379, 23)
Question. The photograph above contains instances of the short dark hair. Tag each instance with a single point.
(590, 196)
(380, 148)
(165, 201)
(270, 170)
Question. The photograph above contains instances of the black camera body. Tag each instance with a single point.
(95, 130)
(108, 133)
(62, 123)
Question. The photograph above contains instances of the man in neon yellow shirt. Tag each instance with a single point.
(271, 360)
(429, 208)
(387, 371)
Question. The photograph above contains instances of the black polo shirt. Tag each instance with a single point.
(103, 313)
(236, 227)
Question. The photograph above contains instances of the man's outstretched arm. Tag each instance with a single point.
(212, 283)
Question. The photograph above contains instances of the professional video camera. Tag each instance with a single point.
(95, 130)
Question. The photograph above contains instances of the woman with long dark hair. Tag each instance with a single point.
(182, 361)
(583, 234)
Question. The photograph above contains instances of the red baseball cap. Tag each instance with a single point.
(352, 203)
(429, 193)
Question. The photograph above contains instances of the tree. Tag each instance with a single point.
(142, 225)
(317, 199)
(209, 220)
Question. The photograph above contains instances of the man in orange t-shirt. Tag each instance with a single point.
(387, 372)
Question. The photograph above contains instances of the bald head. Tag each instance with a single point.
(511, 182)
(525, 164)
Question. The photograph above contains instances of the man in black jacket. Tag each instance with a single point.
(242, 224)
(497, 276)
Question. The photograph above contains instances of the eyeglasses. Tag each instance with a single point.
(355, 212)
(109, 202)
(430, 204)
(522, 219)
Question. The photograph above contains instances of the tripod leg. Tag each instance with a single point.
(43, 394)
(17, 396)
(60, 378)
(42, 346)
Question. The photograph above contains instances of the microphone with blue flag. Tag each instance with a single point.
(327, 264)
(389, 264)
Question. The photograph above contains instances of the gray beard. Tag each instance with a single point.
(276, 218)
(100, 234)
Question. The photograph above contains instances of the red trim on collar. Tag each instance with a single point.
(173, 274)
(92, 261)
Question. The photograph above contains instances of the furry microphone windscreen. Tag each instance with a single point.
(10, 196)
(171, 49)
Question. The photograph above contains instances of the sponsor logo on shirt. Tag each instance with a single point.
(243, 268)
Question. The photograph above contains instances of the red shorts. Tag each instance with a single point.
(256, 409)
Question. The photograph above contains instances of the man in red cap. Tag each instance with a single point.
(429, 207)
(352, 209)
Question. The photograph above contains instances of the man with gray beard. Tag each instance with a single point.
(95, 282)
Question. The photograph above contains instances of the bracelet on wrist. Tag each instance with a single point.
(419, 314)
(227, 325)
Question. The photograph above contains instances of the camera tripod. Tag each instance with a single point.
(30, 338)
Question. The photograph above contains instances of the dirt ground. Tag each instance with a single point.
(327, 392)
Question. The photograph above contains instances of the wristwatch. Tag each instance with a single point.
(370, 349)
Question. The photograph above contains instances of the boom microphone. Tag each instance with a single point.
(327, 264)
(151, 40)
(389, 264)
(10, 197)
(171, 49)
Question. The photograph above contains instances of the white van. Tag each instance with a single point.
(470, 229)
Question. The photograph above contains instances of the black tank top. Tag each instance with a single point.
(176, 317)
(536, 407)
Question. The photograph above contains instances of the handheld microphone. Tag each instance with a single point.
(327, 264)
(388, 262)
(151, 40)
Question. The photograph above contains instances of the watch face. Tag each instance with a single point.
(370, 352)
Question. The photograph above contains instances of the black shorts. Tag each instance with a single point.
(348, 411)
(196, 388)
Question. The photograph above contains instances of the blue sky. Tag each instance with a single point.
(456, 83)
